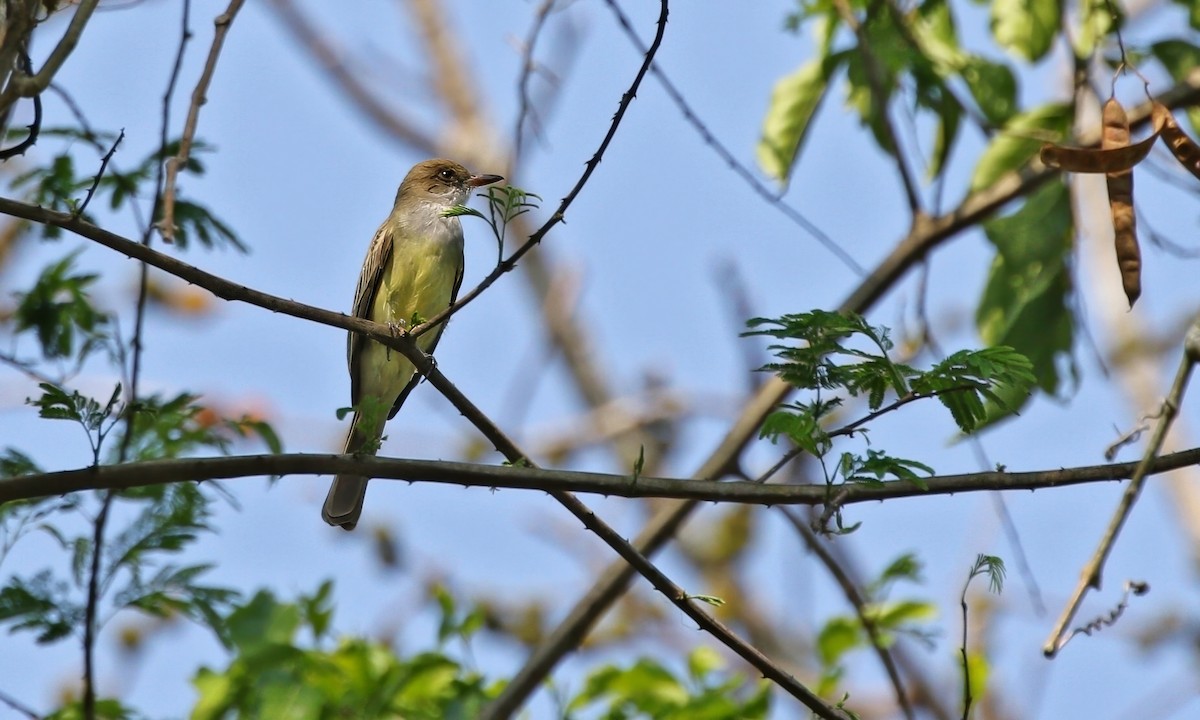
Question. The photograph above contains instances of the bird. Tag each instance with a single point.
(413, 270)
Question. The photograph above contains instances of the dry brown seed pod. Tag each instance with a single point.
(1185, 150)
(1092, 160)
(1115, 134)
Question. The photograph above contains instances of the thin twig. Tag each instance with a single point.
(28, 368)
(1090, 577)
(852, 593)
(101, 522)
(18, 706)
(962, 648)
(739, 168)
(875, 81)
(166, 222)
(99, 175)
(524, 104)
(1110, 618)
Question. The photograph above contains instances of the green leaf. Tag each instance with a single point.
(1096, 22)
(906, 567)
(56, 403)
(823, 338)
(460, 210)
(14, 463)
(898, 614)
(878, 466)
(965, 381)
(261, 623)
(1020, 139)
(702, 661)
(838, 636)
(991, 566)
(994, 88)
(193, 220)
(1026, 27)
(60, 311)
(41, 604)
(1026, 301)
(794, 103)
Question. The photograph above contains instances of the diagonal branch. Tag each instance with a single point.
(746, 174)
(858, 602)
(452, 82)
(1090, 577)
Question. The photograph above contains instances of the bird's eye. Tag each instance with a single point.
(446, 174)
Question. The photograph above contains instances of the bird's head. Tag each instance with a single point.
(440, 182)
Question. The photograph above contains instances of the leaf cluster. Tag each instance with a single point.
(888, 619)
(504, 204)
(841, 355)
(836, 356)
(58, 186)
(59, 310)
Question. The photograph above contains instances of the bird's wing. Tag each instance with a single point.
(369, 280)
(437, 335)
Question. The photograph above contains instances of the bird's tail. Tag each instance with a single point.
(344, 502)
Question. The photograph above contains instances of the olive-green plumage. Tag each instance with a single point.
(413, 268)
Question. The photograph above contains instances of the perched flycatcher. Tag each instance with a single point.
(413, 269)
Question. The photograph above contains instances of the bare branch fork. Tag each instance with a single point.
(28, 85)
(1090, 577)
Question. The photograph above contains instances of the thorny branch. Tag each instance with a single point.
(156, 472)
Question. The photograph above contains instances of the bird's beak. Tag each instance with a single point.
(481, 180)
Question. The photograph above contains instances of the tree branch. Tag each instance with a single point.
(855, 597)
(156, 472)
